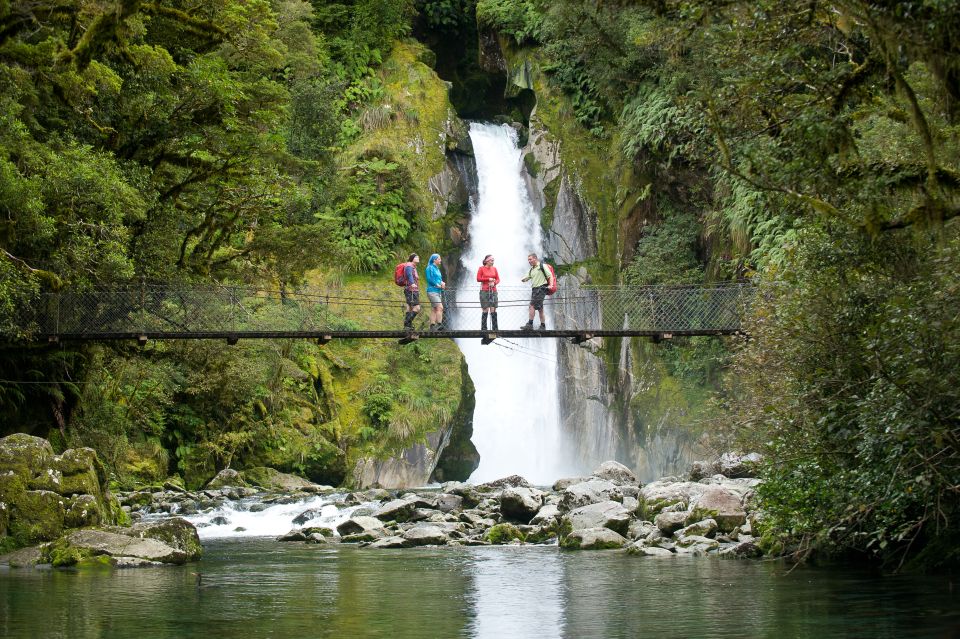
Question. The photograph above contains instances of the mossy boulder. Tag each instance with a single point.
(272, 479)
(80, 545)
(504, 534)
(36, 515)
(42, 494)
(227, 477)
(82, 472)
(83, 510)
(177, 533)
(25, 455)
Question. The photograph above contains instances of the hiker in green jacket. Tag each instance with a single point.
(540, 280)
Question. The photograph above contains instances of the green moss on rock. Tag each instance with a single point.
(503, 534)
(62, 553)
(37, 515)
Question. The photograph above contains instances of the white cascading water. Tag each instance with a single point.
(516, 426)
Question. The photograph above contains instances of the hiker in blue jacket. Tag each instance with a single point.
(435, 286)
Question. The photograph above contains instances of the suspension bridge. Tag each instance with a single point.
(154, 312)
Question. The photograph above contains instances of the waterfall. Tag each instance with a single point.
(516, 424)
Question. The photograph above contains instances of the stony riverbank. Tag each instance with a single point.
(710, 511)
(57, 509)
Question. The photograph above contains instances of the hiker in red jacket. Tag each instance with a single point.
(488, 277)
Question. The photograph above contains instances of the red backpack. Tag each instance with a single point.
(551, 288)
(399, 275)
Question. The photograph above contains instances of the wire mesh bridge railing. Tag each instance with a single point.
(182, 312)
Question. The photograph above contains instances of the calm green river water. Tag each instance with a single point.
(261, 588)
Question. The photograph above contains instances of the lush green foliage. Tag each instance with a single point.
(817, 145)
(518, 19)
(667, 254)
(376, 213)
(850, 384)
(184, 142)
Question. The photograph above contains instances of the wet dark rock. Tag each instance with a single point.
(307, 515)
(511, 481)
(520, 504)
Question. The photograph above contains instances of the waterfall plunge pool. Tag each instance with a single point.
(258, 587)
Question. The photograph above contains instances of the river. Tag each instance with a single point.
(262, 588)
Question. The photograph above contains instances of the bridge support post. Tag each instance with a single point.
(324, 339)
(232, 340)
(142, 341)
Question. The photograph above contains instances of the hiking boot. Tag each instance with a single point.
(543, 327)
(527, 327)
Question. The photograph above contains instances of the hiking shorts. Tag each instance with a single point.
(436, 299)
(536, 299)
(488, 299)
(413, 298)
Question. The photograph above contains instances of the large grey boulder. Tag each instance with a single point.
(82, 544)
(658, 495)
(734, 465)
(426, 535)
(390, 542)
(520, 504)
(721, 505)
(357, 525)
(605, 514)
(670, 522)
(511, 481)
(696, 545)
(176, 532)
(562, 484)
(593, 539)
(641, 529)
(742, 550)
(448, 502)
(396, 510)
(703, 528)
(546, 515)
(22, 558)
(642, 549)
(589, 492)
(616, 473)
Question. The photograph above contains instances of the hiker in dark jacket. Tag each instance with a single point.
(411, 291)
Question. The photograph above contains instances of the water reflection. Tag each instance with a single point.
(261, 588)
(517, 592)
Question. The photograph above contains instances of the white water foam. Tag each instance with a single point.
(273, 520)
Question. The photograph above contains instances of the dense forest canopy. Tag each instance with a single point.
(810, 146)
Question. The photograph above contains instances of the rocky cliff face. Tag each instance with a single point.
(595, 396)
